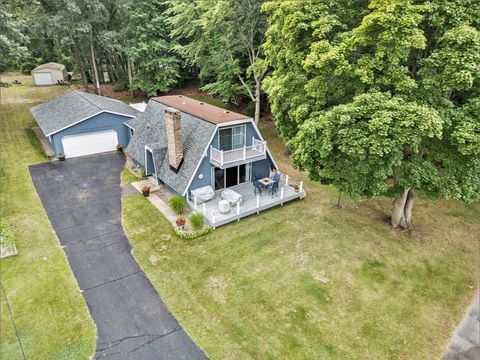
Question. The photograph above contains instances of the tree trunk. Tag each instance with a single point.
(94, 66)
(81, 67)
(402, 209)
(258, 92)
(409, 206)
(129, 70)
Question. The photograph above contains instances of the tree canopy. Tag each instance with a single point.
(379, 97)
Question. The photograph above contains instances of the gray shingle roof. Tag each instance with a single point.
(150, 131)
(69, 109)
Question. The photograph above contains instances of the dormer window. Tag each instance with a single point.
(231, 137)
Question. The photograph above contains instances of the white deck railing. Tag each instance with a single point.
(222, 157)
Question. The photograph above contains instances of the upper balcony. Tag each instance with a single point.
(227, 158)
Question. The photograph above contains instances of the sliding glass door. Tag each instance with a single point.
(224, 178)
(231, 138)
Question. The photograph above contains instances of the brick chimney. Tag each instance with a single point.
(173, 129)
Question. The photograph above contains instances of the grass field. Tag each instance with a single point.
(310, 281)
(50, 314)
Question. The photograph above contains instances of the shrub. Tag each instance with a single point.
(190, 235)
(178, 204)
(197, 220)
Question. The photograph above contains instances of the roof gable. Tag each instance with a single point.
(150, 131)
(73, 108)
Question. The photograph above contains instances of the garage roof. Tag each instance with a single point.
(74, 107)
(50, 65)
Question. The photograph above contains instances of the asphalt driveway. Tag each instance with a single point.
(82, 200)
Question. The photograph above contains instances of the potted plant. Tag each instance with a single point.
(61, 157)
(296, 188)
(120, 147)
(146, 191)
(181, 221)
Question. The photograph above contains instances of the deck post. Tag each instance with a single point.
(258, 203)
(203, 208)
(301, 189)
(195, 204)
(221, 157)
(238, 210)
(281, 194)
(211, 152)
(244, 153)
(286, 180)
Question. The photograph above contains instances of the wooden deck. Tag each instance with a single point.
(252, 204)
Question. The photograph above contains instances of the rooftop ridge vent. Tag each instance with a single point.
(201, 103)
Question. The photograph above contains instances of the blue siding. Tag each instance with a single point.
(259, 168)
(100, 122)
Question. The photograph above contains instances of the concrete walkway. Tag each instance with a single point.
(465, 343)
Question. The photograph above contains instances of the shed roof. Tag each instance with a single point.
(201, 110)
(150, 131)
(50, 65)
(73, 108)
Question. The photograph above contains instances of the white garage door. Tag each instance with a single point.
(91, 143)
(43, 78)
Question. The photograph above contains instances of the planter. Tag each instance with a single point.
(181, 221)
(120, 147)
(61, 157)
(146, 191)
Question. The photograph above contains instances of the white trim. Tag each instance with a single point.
(261, 138)
(211, 139)
(129, 126)
(234, 122)
(153, 160)
(89, 117)
(201, 160)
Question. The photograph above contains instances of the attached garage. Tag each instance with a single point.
(89, 143)
(49, 74)
(79, 124)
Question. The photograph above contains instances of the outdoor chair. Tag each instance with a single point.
(257, 187)
(274, 187)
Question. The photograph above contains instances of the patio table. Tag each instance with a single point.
(266, 182)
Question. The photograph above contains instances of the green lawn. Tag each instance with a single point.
(128, 177)
(51, 316)
(310, 281)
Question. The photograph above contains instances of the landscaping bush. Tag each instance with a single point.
(197, 220)
(190, 235)
(178, 204)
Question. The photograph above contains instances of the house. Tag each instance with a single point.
(78, 123)
(206, 154)
(49, 74)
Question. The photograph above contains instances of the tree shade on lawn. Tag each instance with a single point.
(379, 98)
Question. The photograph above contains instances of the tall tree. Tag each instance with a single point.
(380, 97)
(224, 39)
(156, 66)
(13, 41)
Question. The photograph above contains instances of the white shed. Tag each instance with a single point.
(49, 74)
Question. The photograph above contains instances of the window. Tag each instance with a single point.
(231, 138)
(224, 178)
